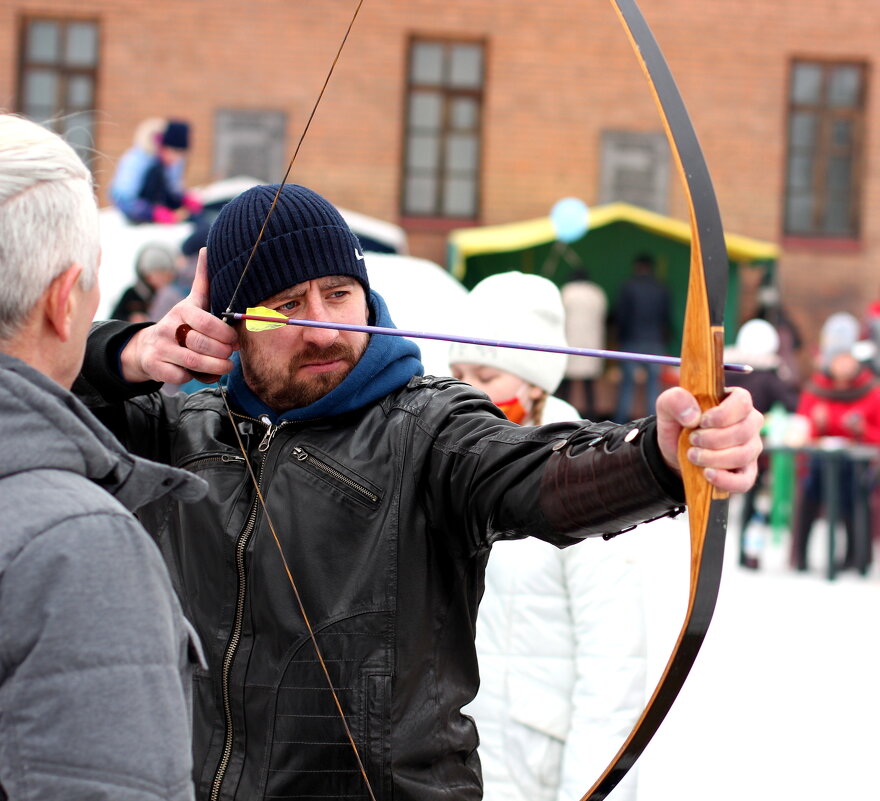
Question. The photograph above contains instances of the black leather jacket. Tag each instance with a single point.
(385, 517)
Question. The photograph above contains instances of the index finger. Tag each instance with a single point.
(200, 294)
(734, 407)
(208, 327)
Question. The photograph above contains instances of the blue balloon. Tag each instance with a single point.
(571, 219)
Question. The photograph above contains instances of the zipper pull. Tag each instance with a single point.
(271, 430)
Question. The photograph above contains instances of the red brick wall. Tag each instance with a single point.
(558, 73)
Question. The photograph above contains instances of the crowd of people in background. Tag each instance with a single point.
(840, 398)
(830, 398)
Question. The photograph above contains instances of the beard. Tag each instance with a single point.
(281, 390)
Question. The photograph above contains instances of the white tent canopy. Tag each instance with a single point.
(421, 296)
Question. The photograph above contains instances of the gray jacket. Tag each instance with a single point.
(95, 654)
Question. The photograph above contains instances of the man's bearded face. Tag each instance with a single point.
(293, 366)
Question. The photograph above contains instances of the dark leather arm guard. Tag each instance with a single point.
(606, 481)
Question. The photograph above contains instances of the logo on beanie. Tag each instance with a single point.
(358, 256)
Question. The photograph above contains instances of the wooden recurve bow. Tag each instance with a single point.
(701, 374)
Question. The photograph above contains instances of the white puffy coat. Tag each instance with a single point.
(562, 649)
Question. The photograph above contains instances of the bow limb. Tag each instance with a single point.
(701, 374)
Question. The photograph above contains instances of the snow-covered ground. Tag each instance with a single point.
(784, 699)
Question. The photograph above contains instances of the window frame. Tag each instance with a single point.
(615, 147)
(66, 72)
(826, 115)
(435, 220)
(258, 128)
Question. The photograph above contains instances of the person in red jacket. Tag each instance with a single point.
(841, 400)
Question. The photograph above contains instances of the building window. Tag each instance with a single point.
(826, 114)
(635, 169)
(57, 78)
(443, 120)
(250, 143)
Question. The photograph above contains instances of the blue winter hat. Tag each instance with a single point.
(176, 135)
(305, 238)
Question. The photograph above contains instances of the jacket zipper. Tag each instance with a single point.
(302, 456)
(271, 431)
(223, 457)
(235, 635)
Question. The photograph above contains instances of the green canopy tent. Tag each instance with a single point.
(617, 233)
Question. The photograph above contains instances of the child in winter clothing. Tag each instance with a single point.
(148, 184)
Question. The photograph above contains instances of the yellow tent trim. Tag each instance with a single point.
(466, 242)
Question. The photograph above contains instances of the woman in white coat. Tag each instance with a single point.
(561, 633)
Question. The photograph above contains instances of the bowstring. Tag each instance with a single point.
(293, 157)
(254, 480)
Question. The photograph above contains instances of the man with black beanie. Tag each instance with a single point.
(385, 489)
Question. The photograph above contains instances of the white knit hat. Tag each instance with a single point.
(757, 344)
(839, 334)
(518, 307)
(758, 337)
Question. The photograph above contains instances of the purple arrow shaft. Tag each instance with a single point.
(492, 343)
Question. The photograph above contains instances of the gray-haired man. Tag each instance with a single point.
(94, 650)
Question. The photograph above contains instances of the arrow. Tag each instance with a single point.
(275, 320)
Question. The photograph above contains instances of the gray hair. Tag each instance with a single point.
(48, 217)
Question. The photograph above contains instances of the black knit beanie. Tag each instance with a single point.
(176, 135)
(305, 238)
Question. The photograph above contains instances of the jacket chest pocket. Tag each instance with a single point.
(340, 479)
